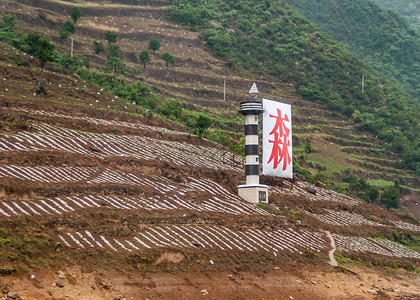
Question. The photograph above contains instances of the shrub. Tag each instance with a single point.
(391, 197)
(75, 13)
(144, 57)
(111, 37)
(65, 29)
(202, 124)
(154, 45)
(168, 58)
(98, 47)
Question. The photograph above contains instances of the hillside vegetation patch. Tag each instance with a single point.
(271, 39)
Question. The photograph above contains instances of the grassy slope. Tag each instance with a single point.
(380, 37)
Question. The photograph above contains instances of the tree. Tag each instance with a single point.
(170, 108)
(75, 13)
(357, 116)
(98, 47)
(114, 50)
(308, 148)
(154, 45)
(85, 60)
(115, 65)
(111, 37)
(41, 48)
(391, 197)
(169, 58)
(9, 20)
(202, 124)
(69, 62)
(65, 29)
(371, 194)
(144, 57)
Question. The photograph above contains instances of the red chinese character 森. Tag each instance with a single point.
(281, 137)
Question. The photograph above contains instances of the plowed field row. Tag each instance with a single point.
(220, 237)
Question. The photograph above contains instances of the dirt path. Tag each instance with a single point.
(332, 261)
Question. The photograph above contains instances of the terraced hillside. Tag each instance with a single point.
(100, 202)
(198, 79)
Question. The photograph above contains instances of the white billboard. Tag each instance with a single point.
(277, 139)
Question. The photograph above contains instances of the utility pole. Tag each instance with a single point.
(224, 90)
(363, 83)
(71, 52)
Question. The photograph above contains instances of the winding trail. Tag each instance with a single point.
(332, 261)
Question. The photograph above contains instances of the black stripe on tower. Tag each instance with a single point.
(251, 149)
(252, 170)
(251, 129)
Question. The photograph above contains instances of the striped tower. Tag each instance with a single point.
(252, 191)
(251, 110)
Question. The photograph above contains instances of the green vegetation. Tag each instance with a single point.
(98, 47)
(308, 148)
(40, 47)
(111, 37)
(407, 239)
(342, 259)
(380, 183)
(138, 93)
(408, 8)
(143, 96)
(360, 187)
(75, 13)
(202, 124)
(115, 65)
(113, 50)
(168, 58)
(154, 45)
(33, 44)
(271, 39)
(380, 37)
(68, 62)
(144, 57)
(391, 197)
(65, 29)
(69, 27)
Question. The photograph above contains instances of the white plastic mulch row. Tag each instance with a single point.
(58, 206)
(58, 138)
(377, 246)
(46, 174)
(301, 189)
(68, 174)
(210, 237)
(342, 218)
(103, 122)
(406, 226)
(168, 194)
